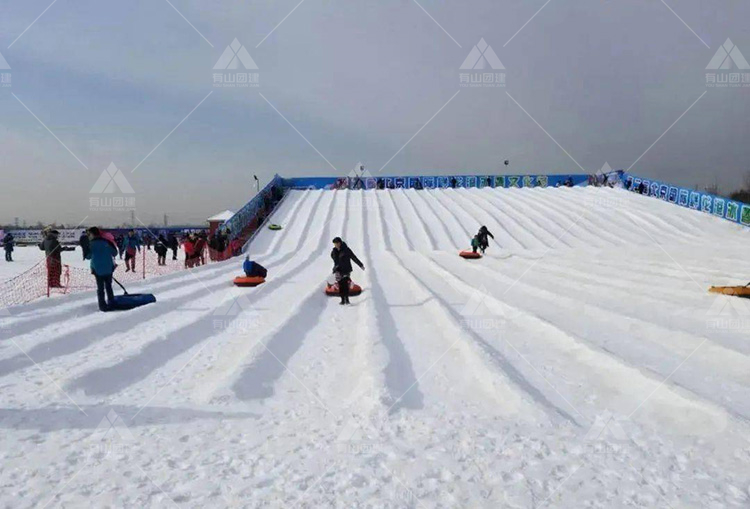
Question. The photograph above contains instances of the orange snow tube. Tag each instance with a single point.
(739, 291)
(248, 281)
(469, 254)
(333, 290)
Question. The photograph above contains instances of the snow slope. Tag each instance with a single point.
(579, 364)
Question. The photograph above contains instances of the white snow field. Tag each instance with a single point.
(581, 363)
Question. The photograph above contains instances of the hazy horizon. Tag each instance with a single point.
(89, 85)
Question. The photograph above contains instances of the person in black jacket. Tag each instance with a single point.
(8, 243)
(483, 241)
(83, 241)
(342, 257)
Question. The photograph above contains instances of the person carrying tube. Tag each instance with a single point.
(254, 269)
(342, 257)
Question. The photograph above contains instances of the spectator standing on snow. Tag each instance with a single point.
(131, 245)
(120, 240)
(189, 246)
(52, 252)
(342, 257)
(102, 252)
(161, 250)
(8, 243)
(83, 241)
(483, 240)
(173, 244)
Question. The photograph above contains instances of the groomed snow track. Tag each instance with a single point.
(578, 364)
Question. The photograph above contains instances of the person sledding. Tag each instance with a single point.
(253, 268)
(474, 243)
(102, 252)
(342, 257)
(482, 236)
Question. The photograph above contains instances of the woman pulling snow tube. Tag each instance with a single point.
(343, 257)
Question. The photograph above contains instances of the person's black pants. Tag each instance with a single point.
(104, 284)
(8, 256)
(174, 253)
(344, 284)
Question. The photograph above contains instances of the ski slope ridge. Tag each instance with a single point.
(577, 364)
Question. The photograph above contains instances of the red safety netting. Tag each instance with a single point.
(47, 278)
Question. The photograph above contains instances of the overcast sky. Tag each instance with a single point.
(586, 82)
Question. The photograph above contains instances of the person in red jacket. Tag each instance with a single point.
(189, 247)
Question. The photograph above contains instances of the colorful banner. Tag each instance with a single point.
(731, 210)
(437, 181)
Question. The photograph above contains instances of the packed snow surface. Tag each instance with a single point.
(580, 363)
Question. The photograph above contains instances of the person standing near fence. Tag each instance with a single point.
(131, 245)
(102, 253)
(83, 241)
(8, 243)
(173, 244)
(52, 250)
(161, 250)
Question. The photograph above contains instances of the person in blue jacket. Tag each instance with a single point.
(254, 269)
(102, 253)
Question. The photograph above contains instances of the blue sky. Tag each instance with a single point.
(111, 80)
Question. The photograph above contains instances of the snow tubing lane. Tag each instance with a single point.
(274, 227)
(738, 291)
(333, 290)
(248, 281)
(469, 255)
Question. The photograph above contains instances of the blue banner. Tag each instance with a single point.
(731, 210)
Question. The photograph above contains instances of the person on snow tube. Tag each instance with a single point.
(483, 241)
(475, 243)
(254, 269)
(102, 252)
(342, 257)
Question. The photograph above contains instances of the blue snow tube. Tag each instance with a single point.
(131, 300)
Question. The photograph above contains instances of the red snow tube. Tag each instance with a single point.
(469, 254)
(333, 290)
(248, 281)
